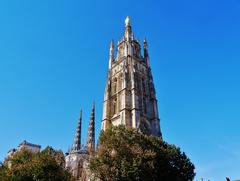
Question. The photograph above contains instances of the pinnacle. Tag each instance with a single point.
(127, 21)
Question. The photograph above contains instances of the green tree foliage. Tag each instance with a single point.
(47, 165)
(128, 155)
(3, 172)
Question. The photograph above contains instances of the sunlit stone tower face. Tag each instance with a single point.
(130, 97)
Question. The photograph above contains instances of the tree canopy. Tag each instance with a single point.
(47, 165)
(128, 155)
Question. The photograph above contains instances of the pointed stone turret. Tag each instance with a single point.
(128, 34)
(111, 54)
(91, 132)
(145, 47)
(77, 139)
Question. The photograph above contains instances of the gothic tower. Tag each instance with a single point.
(130, 97)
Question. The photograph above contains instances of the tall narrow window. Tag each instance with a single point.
(140, 104)
(120, 82)
(144, 105)
(114, 86)
(143, 86)
(114, 106)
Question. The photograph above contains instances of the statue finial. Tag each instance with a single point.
(127, 21)
(145, 44)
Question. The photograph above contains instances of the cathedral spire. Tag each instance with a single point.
(128, 34)
(145, 47)
(91, 131)
(111, 54)
(77, 139)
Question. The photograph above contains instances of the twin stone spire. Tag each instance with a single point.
(77, 139)
(90, 146)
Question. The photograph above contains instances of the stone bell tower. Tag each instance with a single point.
(130, 97)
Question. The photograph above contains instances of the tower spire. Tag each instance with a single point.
(111, 54)
(128, 34)
(77, 139)
(91, 131)
(145, 47)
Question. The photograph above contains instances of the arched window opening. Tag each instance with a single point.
(114, 106)
(114, 86)
(143, 85)
(144, 105)
(120, 82)
(140, 104)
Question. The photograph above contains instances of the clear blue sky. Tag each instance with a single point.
(54, 59)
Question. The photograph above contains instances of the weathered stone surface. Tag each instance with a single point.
(130, 97)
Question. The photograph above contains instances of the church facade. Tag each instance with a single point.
(129, 99)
